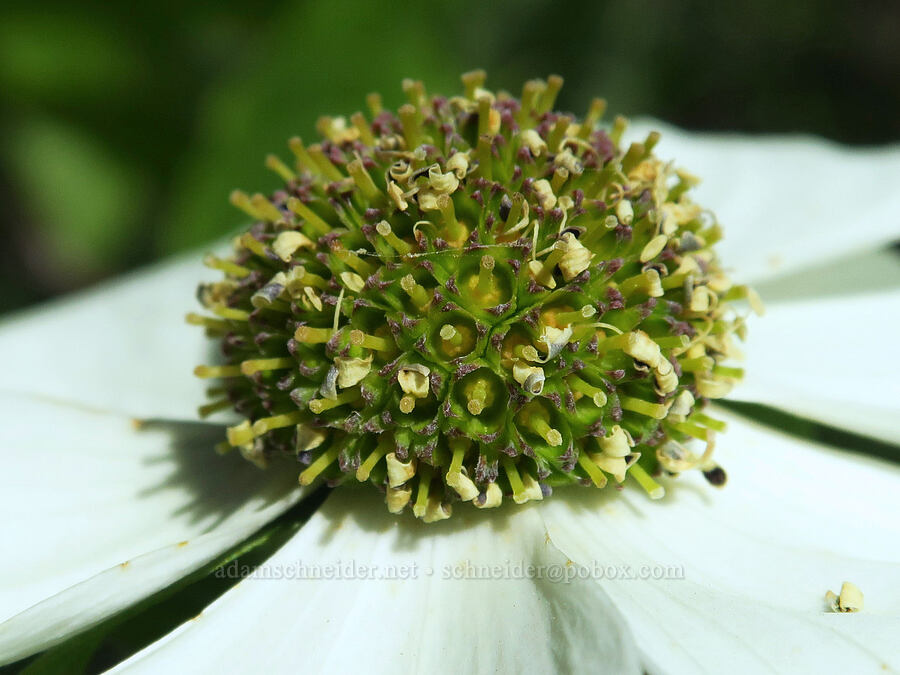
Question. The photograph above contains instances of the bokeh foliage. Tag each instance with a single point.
(123, 126)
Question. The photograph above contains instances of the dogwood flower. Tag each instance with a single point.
(111, 492)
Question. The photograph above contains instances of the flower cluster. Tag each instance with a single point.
(474, 298)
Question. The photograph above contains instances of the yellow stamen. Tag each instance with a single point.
(365, 131)
(472, 81)
(213, 324)
(653, 489)
(240, 434)
(214, 406)
(597, 477)
(566, 318)
(539, 425)
(407, 404)
(313, 219)
(597, 395)
(454, 231)
(304, 161)
(479, 395)
(485, 275)
(545, 273)
(369, 463)
(515, 481)
(415, 291)
(357, 337)
(557, 134)
(319, 405)
(266, 208)
(266, 424)
(548, 96)
(700, 364)
(322, 462)
(312, 336)
(409, 120)
(279, 167)
(217, 371)
(230, 268)
(560, 176)
(485, 158)
(354, 262)
(655, 410)
(249, 242)
(384, 229)
(364, 181)
(252, 366)
(241, 200)
(425, 471)
(594, 115)
(326, 168)
(527, 352)
(373, 102)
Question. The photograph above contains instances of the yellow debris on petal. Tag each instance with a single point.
(850, 599)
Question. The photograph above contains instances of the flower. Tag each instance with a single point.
(471, 298)
(100, 512)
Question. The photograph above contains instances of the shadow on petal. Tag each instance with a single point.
(217, 485)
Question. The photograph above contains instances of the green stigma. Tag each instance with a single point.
(472, 299)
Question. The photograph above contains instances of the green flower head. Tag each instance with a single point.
(474, 298)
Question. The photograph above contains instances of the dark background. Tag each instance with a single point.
(124, 126)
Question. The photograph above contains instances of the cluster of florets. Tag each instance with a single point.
(474, 298)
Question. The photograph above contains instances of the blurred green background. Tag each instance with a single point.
(123, 126)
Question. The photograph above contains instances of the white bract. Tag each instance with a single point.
(100, 512)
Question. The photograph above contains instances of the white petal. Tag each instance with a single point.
(869, 272)
(832, 360)
(756, 558)
(425, 621)
(787, 201)
(84, 491)
(124, 346)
